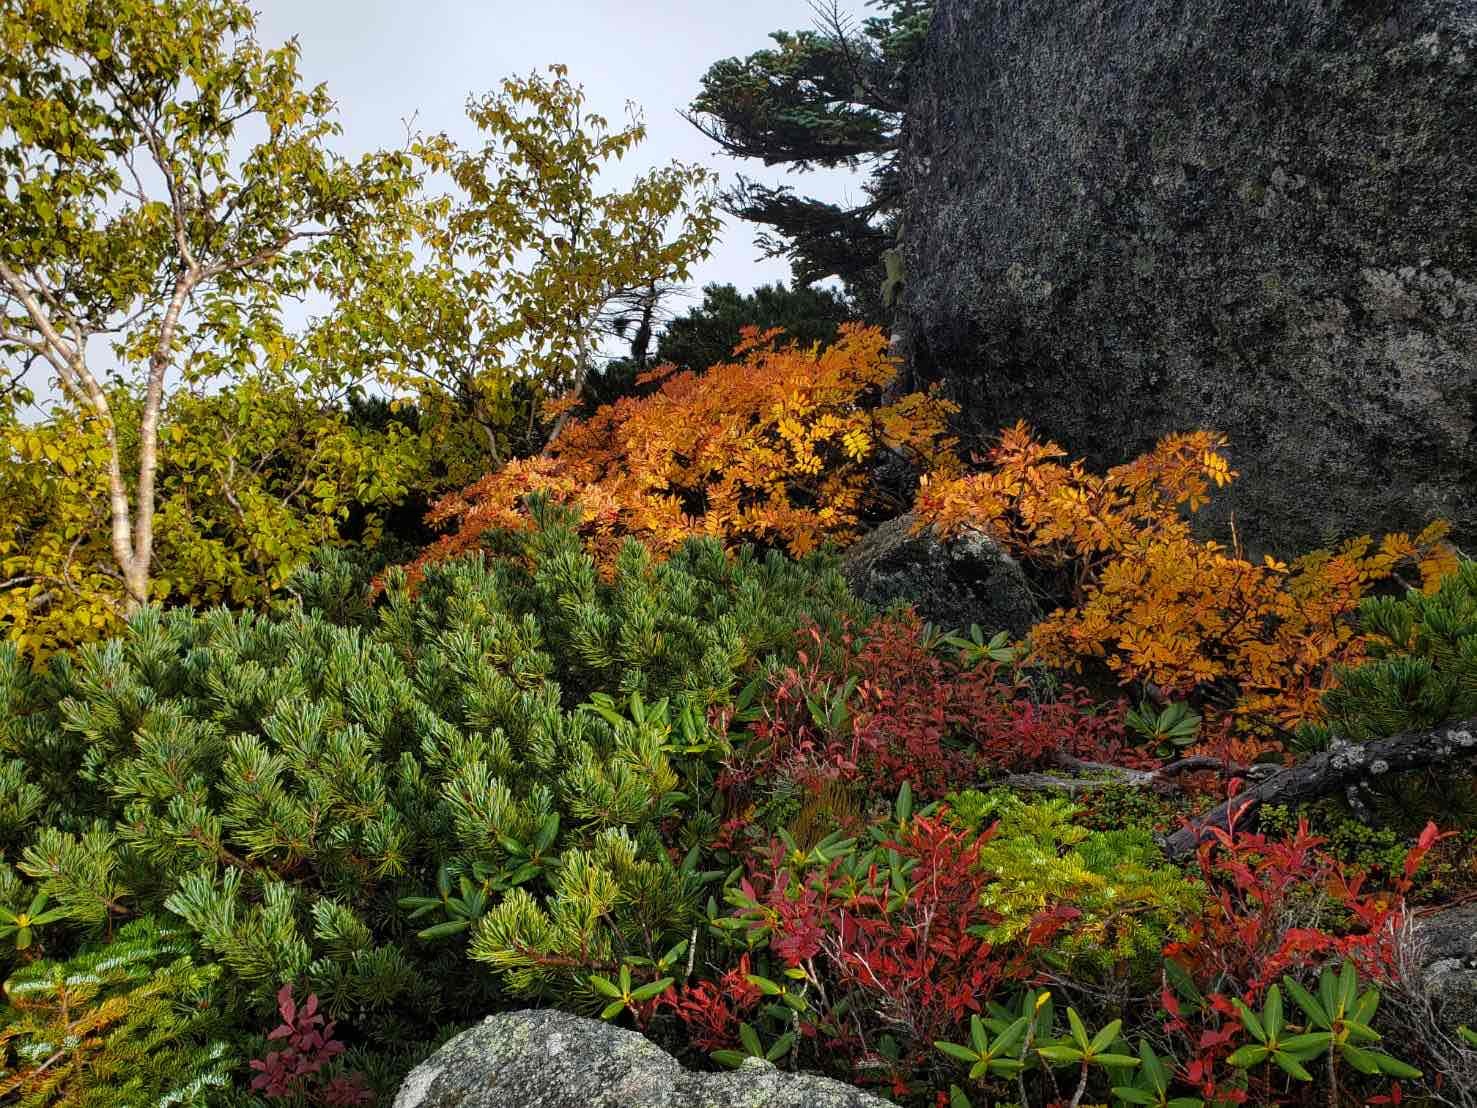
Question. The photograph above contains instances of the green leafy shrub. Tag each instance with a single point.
(1421, 672)
(282, 783)
(1087, 902)
(1335, 1025)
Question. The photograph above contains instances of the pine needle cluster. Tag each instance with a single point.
(508, 748)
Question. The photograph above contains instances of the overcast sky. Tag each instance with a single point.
(385, 61)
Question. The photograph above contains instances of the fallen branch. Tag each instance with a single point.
(1341, 766)
(1101, 775)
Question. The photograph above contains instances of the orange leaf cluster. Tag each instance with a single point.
(771, 448)
(1157, 604)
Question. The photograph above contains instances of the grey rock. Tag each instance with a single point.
(1132, 217)
(1450, 934)
(550, 1059)
(1448, 945)
(1451, 985)
(951, 584)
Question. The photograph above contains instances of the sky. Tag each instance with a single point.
(388, 61)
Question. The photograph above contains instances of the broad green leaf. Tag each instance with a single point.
(605, 986)
(1291, 1065)
(1252, 1054)
(1251, 1021)
(1396, 1068)
(1104, 1038)
(1079, 1030)
(750, 1038)
(957, 1052)
(655, 988)
(1309, 1004)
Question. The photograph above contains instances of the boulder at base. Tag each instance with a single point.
(550, 1059)
(1126, 218)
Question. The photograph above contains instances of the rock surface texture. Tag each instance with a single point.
(551, 1059)
(1132, 217)
(1449, 947)
(951, 584)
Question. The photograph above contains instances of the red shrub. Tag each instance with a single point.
(1277, 906)
(893, 710)
(885, 937)
(712, 1012)
(309, 1045)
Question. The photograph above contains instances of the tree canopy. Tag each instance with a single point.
(709, 332)
(167, 183)
(829, 97)
(170, 427)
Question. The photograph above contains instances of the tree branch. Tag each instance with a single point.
(1340, 766)
(1105, 775)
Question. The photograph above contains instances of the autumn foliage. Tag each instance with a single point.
(1159, 605)
(891, 708)
(771, 448)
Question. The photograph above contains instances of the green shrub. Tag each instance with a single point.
(131, 1021)
(1421, 673)
(1109, 899)
(1422, 669)
(282, 783)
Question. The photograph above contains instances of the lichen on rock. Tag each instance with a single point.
(545, 1058)
(1128, 219)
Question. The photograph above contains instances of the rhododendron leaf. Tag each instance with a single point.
(1059, 1052)
(903, 808)
(1247, 1056)
(781, 1047)
(1153, 1068)
(1133, 1096)
(1013, 1034)
(605, 986)
(655, 988)
(1272, 1013)
(1395, 1068)
(443, 930)
(750, 1038)
(1308, 1003)
(764, 985)
(1291, 1065)
(1365, 1009)
(1104, 1039)
(1348, 987)
(1362, 1060)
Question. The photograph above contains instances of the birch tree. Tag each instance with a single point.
(165, 182)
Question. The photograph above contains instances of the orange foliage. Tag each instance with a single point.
(1157, 604)
(771, 448)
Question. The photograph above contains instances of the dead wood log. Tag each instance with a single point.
(1341, 766)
